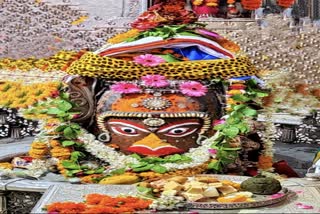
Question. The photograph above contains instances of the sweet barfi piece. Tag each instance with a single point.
(216, 184)
(225, 190)
(172, 185)
(178, 179)
(211, 192)
(192, 197)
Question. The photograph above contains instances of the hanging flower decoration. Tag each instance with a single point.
(170, 12)
(251, 4)
(193, 89)
(125, 88)
(148, 60)
(157, 81)
(285, 3)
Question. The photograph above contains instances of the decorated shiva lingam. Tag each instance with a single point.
(158, 99)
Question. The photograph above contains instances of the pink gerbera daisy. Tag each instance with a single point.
(156, 81)
(193, 89)
(125, 88)
(148, 60)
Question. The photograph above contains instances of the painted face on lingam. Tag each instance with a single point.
(154, 121)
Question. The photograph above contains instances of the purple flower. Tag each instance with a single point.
(125, 88)
(193, 89)
(156, 81)
(212, 151)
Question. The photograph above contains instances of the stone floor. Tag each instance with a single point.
(298, 156)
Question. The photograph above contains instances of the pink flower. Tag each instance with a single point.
(218, 122)
(148, 60)
(156, 81)
(125, 88)
(277, 195)
(193, 89)
(304, 206)
(212, 151)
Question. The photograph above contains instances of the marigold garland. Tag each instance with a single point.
(18, 95)
(285, 3)
(251, 4)
(98, 203)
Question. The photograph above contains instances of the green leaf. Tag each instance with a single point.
(69, 133)
(76, 155)
(231, 131)
(89, 172)
(240, 98)
(64, 96)
(238, 107)
(219, 127)
(99, 170)
(216, 165)
(75, 171)
(70, 165)
(169, 58)
(68, 143)
(118, 171)
(136, 156)
(138, 165)
(242, 127)
(230, 149)
(54, 111)
(262, 94)
(61, 128)
(159, 169)
(142, 169)
(249, 112)
(174, 158)
(233, 120)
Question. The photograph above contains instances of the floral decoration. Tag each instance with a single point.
(156, 81)
(304, 206)
(193, 89)
(171, 12)
(251, 4)
(98, 203)
(18, 95)
(149, 60)
(125, 88)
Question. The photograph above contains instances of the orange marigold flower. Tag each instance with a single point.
(66, 207)
(265, 162)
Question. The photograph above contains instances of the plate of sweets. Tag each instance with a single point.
(219, 191)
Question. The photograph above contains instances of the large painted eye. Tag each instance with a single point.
(179, 129)
(124, 130)
(180, 132)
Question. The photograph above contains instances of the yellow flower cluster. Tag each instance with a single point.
(38, 150)
(197, 2)
(18, 95)
(6, 165)
(55, 62)
(58, 151)
(123, 36)
(212, 3)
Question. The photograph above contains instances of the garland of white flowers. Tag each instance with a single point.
(117, 160)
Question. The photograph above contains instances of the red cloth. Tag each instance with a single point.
(282, 168)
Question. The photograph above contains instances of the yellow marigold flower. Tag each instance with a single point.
(6, 165)
(212, 4)
(197, 2)
(123, 36)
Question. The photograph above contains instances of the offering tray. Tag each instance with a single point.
(260, 200)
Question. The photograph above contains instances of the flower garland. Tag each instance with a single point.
(251, 4)
(118, 160)
(285, 3)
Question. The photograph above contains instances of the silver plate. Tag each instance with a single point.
(260, 200)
